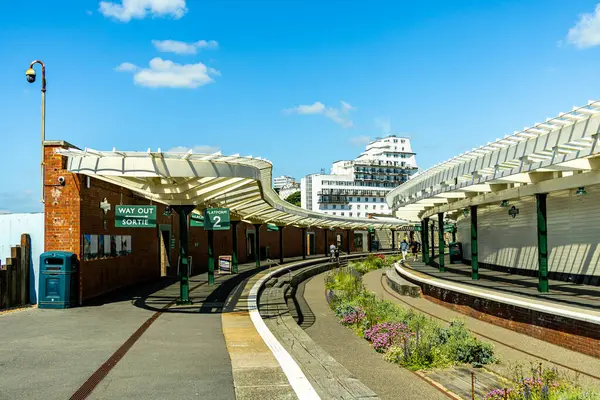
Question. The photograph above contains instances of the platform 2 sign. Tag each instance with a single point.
(216, 219)
(135, 216)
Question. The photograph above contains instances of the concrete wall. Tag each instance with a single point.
(12, 226)
(573, 232)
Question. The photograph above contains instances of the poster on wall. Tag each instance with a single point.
(113, 246)
(126, 245)
(87, 242)
(107, 242)
(100, 253)
(93, 247)
(119, 243)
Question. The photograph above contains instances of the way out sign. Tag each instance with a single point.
(135, 216)
(216, 219)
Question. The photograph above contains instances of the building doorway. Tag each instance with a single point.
(251, 245)
(310, 238)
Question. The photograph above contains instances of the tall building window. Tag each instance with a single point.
(350, 213)
(334, 206)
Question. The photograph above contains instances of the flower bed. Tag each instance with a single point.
(404, 337)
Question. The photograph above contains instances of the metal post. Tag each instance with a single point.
(257, 244)
(441, 240)
(474, 245)
(326, 243)
(234, 245)
(370, 243)
(184, 279)
(42, 166)
(542, 234)
(211, 257)
(454, 234)
(432, 241)
(304, 243)
(425, 249)
(281, 244)
(393, 239)
(348, 241)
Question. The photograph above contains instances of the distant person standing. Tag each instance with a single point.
(415, 246)
(332, 250)
(404, 249)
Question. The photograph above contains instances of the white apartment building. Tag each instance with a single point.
(283, 181)
(357, 188)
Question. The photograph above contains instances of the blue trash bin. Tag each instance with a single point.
(58, 280)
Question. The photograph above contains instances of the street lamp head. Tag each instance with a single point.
(30, 74)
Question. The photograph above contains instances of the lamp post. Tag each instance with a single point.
(30, 74)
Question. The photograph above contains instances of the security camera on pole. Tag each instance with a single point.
(30, 74)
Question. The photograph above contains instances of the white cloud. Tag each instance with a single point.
(340, 115)
(124, 67)
(166, 73)
(196, 149)
(139, 9)
(360, 140)
(177, 47)
(384, 124)
(586, 32)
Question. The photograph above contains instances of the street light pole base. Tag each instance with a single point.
(184, 302)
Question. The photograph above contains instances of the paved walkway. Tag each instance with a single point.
(509, 345)
(566, 293)
(157, 350)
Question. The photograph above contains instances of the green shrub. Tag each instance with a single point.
(463, 347)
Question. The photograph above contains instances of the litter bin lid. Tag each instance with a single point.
(65, 254)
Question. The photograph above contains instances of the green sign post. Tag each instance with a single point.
(196, 220)
(216, 219)
(135, 216)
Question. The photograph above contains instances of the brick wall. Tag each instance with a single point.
(73, 210)
(577, 335)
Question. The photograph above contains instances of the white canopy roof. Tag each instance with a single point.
(242, 184)
(556, 148)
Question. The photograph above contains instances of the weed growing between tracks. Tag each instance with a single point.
(541, 384)
(405, 337)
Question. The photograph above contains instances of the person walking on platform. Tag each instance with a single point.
(415, 246)
(404, 249)
(332, 250)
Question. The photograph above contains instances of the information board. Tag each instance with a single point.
(135, 216)
(224, 264)
(196, 220)
(216, 219)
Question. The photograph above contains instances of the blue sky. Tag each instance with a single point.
(301, 83)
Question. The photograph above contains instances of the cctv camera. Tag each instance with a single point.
(30, 73)
(61, 180)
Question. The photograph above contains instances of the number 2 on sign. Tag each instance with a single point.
(217, 223)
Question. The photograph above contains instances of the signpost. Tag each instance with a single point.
(196, 220)
(417, 228)
(216, 219)
(135, 216)
(224, 264)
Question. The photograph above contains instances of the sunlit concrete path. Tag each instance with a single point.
(182, 354)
